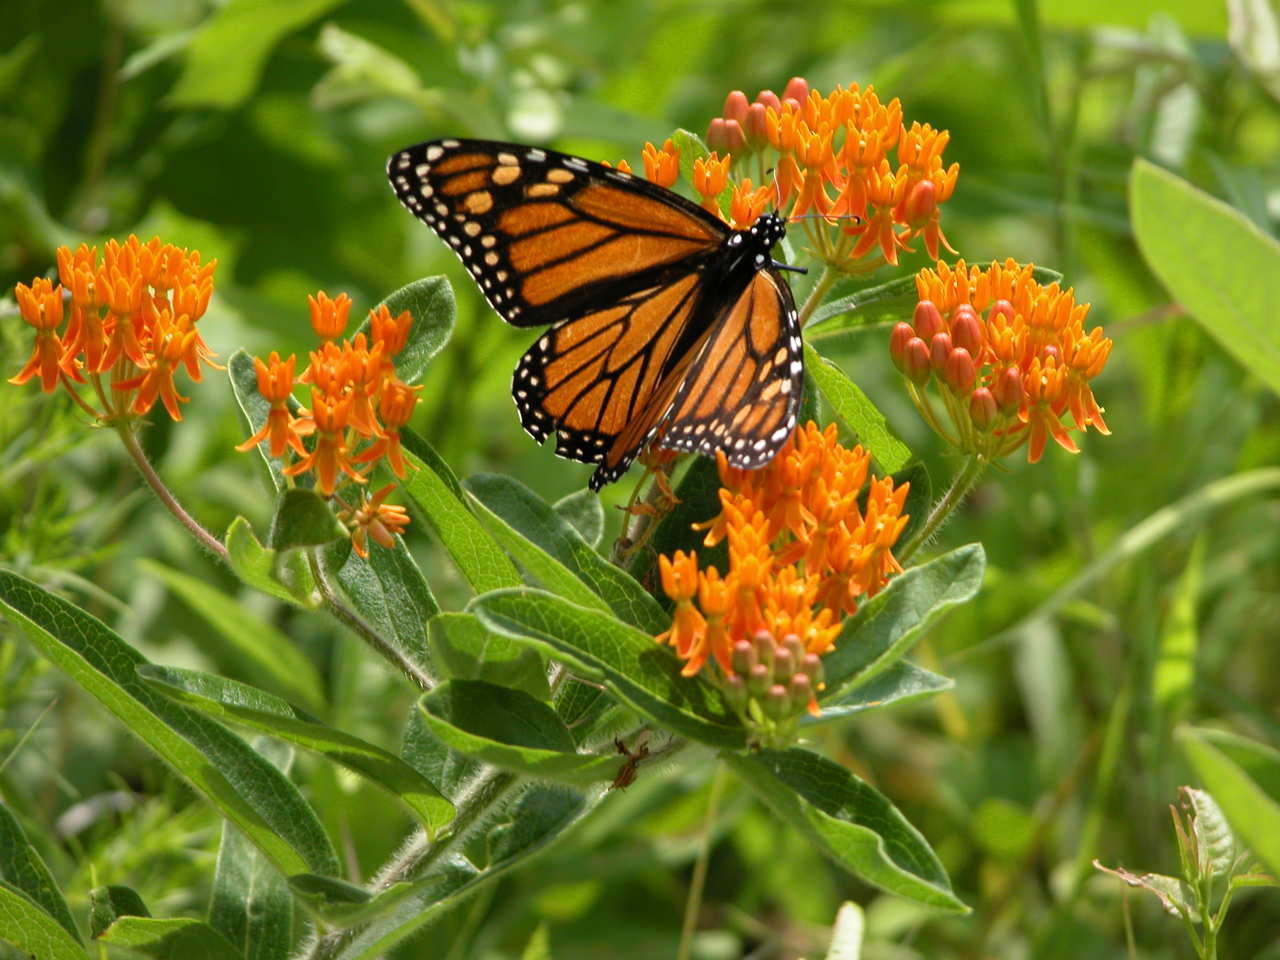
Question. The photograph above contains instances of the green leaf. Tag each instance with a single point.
(176, 938)
(469, 651)
(257, 566)
(110, 903)
(638, 670)
(264, 651)
(1244, 779)
(887, 625)
(25, 925)
(1174, 895)
(535, 520)
(342, 904)
(435, 489)
(448, 769)
(241, 704)
(227, 56)
(362, 70)
(900, 683)
(255, 407)
(510, 729)
(1216, 263)
(388, 589)
(250, 904)
(857, 412)
(430, 303)
(849, 821)
(584, 512)
(243, 786)
(303, 519)
(22, 867)
(919, 497)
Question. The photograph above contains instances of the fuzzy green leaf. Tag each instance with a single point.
(175, 938)
(510, 729)
(430, 302)
(238, 703)
(584, 512)
(303, 519)
(638, 670)
(467, 650)
(849, 821)
(110, 903)
(339, 903)
(243, 786)
(857, 412)
(22, 867)
(25, 925)
(900, 683)
(1214, 261)
(264, 570)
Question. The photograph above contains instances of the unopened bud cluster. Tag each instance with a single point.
(770, 683)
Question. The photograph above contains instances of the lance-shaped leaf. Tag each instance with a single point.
(255, 407)
(584, 512)
(900, 683)
(342, 904)
(287, 579)
(887, 625)
(852, 823)
(242, 785)
(25, 925)
(22, 867)
(510, 729)
(303, 519)
(254, 642)
(468, 650)
(430, 302)
(174, 938)
(435, 490)
(857, 412)
(241, 704)
(638, 670)
(535, 520)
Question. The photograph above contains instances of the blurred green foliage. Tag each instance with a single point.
(258, 133)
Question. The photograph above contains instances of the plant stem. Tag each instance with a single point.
(417, 673)
(129, 437)
(961, 484)
(693, 906)
(811, 302)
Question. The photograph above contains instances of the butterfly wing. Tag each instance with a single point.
(546, 235)
(742, 395)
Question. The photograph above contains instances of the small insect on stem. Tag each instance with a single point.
(627, 772)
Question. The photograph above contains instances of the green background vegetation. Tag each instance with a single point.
(258, 133)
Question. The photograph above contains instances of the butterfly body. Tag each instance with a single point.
(664, 323)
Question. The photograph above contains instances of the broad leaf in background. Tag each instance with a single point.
(242, 785)
(887, 625)
(1244, 778)
(24, 924)
(170, 939)
(241, 704)
(900, 683)
(436, 491)
(468, 650)
(263, 569)
(1217, 264)
(852, 823)
(642, 673)
(531, 517)
(430, 303)
(23, 869)
(584, 513)
(255, 643)
(303, 519)
(250, 904)
(362, 71)
(510, 729)
(857, 412)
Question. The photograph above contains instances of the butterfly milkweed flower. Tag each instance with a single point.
(130, 316)
(809, 537)
(1009, 357)
(357, 406)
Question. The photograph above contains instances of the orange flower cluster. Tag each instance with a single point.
(132, 316)
(869, 183)
(808, 538)
(1010, 358)
(358, 406)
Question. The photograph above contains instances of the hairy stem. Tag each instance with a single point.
(961, 484)
(814, 299)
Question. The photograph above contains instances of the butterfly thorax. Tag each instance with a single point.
(747, 251)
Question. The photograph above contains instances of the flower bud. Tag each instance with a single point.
(1001, 308)
(796, 646)
(735, 106)
(898, 340)
(726, 136)
(764, 645)
(966, 330)
(921, 203)
(769, 99)
(776, 702)
(916, 360)
(797, 89)
(959, 371)
(1052, 351)
(982, 408)
(811, 667)
(927, 320)
(758, 680)
(743, 657)
(939, 350)
(801, 690)
(735, 691)
(784, 664)
(1007, 389)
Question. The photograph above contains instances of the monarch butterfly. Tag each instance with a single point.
(665, 323)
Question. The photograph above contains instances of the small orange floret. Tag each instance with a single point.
(661, 166)
(329, 317)
(710, 177)
(391, 332)
(375, 519)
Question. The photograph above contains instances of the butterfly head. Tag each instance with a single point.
(770, 228)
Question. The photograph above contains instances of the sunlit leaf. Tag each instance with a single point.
(170, 939)
(857, 412)
(430, 302)
(25, 925)
(22, 867)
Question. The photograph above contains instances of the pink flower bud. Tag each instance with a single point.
(966, 330)
(811, 666)
(735, 691)
(959, 372)
(777, 704)
(1001, 308)
(769, 99)
(755, 127)
(797, 89)
(726, 136)
(758, 680)
(763, 641)
(921, 203)
(784, 664)
(1007, 389)
(743, 657)
(801, 689)
(898, 340)
(982, 408)
(1052, 351)
(939, 350)
(927, 320)
(735, 106)
(916, 361)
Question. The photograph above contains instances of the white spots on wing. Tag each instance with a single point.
(434, 152)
